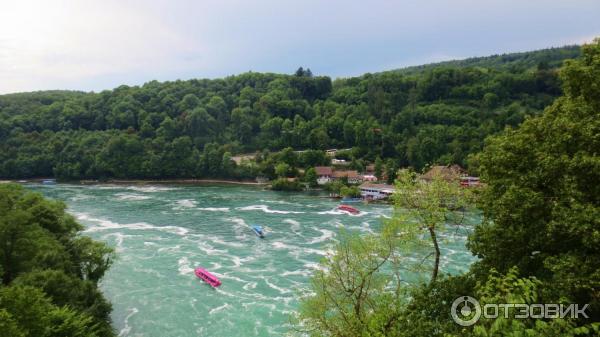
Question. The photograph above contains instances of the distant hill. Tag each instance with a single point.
(432, 114)
(550, 57)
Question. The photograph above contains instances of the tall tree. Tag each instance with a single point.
(432, 205)
(542, 203)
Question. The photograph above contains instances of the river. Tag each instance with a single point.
(161, 232)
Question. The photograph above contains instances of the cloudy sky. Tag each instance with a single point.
(96, 45)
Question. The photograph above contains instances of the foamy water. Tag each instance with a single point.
(161, 233)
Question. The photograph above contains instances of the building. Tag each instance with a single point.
(369, 177)
(448, 173)
(331, 152)
(324, 174)
(339, 162)
(468, 181)
(352, 176)
(370, 191)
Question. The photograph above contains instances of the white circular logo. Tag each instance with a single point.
(466, 311)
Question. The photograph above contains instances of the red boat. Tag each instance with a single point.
(348, 209)
(207, 277)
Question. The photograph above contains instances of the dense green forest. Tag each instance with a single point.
(539, 241)
(439, 113)
(514, 62)
(49, 272)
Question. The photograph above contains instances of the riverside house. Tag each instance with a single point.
(352, 176)
(448, 173)
(451, 173)
(324, 174)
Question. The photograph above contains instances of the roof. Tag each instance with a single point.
(376, 186)
(323, 170)
(450, 172)
(348, 174)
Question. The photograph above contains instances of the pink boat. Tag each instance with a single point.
(348, 209)
(207, 277)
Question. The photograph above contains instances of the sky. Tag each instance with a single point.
(96, 45)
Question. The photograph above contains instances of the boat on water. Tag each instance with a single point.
(348, 209)
(258, 230)
(207, 277)
(48, 181)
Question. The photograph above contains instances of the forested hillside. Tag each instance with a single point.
(515, 62)
(437, 114)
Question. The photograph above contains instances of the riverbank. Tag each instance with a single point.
(146, 181)
(187, 182)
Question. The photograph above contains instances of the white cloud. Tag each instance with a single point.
(49, 44)
(100, 44)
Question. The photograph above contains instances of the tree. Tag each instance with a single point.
(310, 176)
(510, 288)
(379, 168)
(282, 170)
(228, 165)
(350, 192)
(167, 129)
(9, 326)
(289, 157)
(283, 184)
(49, 273)
(391, 169)
(542, 201)
(431, 206)
(358, 292)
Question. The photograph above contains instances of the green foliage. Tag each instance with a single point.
(182, 129)
(431, 205)
(9, 326)
(310, 177)
(336, 186)
(548, 58)
(379, 168)
(358, 292)
(283, 184)
(27, 311)
(350, 191)
(542, 201)
(539, 241)
(49, 272)
(282, 170)
(513, 289)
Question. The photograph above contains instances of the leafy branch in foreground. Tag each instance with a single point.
(360, 290)
(431, 206)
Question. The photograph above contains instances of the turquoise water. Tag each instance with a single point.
(161, 233)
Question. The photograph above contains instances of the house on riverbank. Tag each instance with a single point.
(446, 172)
(352, 176)
(324, 174)
(453, 173)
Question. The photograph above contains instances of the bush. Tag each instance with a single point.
(283, 184)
